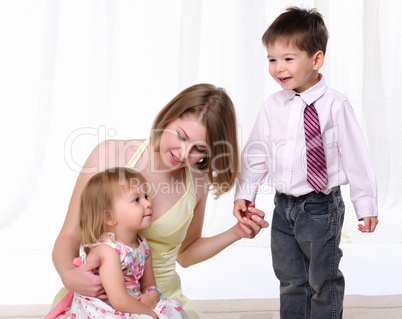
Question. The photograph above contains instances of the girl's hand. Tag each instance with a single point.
(253, 221)
(150, 299)
(84, 282)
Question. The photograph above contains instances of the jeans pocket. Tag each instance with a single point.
(318, 206)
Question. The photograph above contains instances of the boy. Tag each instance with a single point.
(307, 141)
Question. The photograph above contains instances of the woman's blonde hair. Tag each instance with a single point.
(97, 199)
(214, 108)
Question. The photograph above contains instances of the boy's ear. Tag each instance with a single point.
(318, 60)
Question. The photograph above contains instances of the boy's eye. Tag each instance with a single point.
(146, 196)
(136, 200)
(288, 59)
(271, 60)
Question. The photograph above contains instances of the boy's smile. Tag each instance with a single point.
(292, 68)
(285, 80)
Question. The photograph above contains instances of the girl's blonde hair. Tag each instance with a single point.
(214, 108)
(97, 199)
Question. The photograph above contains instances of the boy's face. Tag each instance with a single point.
(292, 68)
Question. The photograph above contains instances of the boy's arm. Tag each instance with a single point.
(113, 281)
(358, 168)
(254, 167)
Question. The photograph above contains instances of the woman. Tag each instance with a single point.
(192, 150)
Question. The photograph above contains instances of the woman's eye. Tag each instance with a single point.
(181, 138)
(197, 149)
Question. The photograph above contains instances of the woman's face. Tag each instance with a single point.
(183, 142)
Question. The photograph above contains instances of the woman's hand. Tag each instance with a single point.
(83, 281)
(252, 222)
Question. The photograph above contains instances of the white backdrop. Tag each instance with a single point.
(73, 73)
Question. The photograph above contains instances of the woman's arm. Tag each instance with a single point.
(66, 247)
(113, 281)
(195, 248)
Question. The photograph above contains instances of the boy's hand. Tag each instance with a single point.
(240, 210)
(251, 220)
(370, 223)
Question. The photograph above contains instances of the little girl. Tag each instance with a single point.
(114, 206)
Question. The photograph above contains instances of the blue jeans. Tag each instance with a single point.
(305, 238)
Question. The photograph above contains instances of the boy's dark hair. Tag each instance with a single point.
(301, 27)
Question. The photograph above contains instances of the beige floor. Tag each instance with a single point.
(356, 307)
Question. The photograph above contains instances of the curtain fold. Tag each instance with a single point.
(190, 35)
(382, 101)
(74, 73)
(27, 64)
(87, 64)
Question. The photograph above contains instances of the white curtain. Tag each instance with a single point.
(73, 73)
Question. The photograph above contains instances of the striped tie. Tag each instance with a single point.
(316, 167)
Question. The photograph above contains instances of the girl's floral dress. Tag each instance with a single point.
(132, 265)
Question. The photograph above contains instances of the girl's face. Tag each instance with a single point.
(183, 142)
(132, 209)
(292, 68)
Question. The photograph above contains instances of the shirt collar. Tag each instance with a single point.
(311, 95)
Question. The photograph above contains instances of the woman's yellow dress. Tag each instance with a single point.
(165, 236)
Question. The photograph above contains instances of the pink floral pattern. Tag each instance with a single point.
(86, 307)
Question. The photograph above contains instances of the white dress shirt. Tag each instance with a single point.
(276, 152)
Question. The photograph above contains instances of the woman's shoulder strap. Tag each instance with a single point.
(131, 163)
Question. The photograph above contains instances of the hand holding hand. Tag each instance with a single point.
(83, 281)
(240, 208)
(251, 220)
(370, 224)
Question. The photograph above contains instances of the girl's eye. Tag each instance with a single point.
(136, 200)
(146, 196)
(271, 60)
(288, 59)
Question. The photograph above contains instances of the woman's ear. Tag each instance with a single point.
(318, 60)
